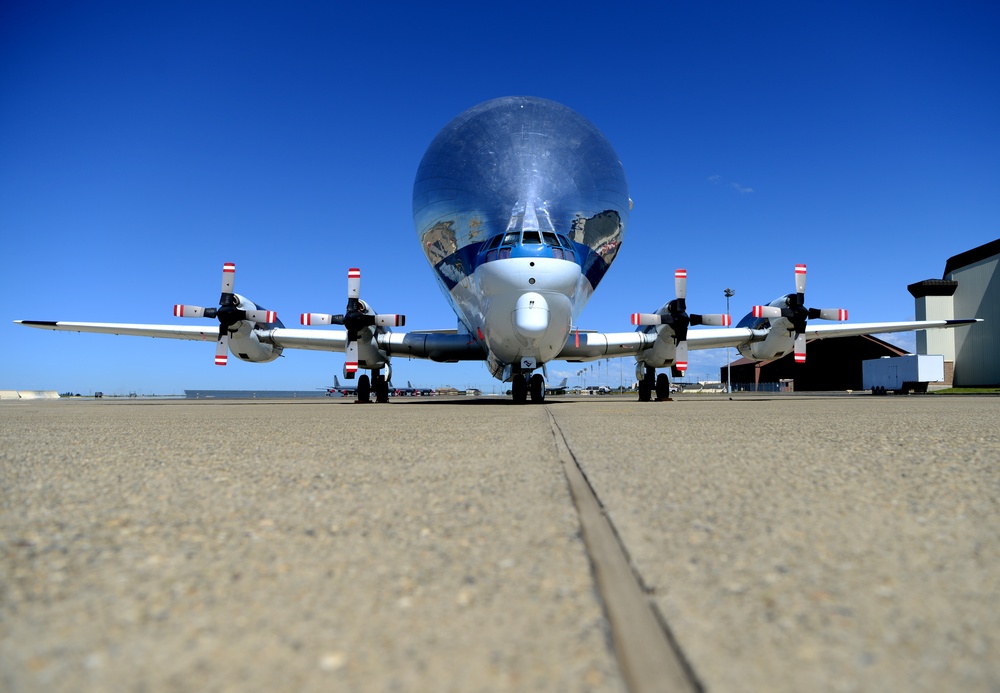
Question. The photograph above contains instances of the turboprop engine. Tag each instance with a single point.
(239, 320)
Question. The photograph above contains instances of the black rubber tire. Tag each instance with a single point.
(364, 389)
(519, 389)
(536, 387)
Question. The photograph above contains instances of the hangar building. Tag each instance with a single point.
(970, 288)
(833, 364)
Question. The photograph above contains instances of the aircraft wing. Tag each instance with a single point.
(319, 340)
(595, 345)
(206, 333)
(856, 329)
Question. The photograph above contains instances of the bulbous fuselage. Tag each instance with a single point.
(520, 205)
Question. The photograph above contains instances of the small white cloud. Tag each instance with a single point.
(715, 180)
(742, 189)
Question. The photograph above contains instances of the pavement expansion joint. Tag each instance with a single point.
(647, 653)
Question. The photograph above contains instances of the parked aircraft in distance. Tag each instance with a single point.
(410, 391)
(521, 207)
(338, 388)
(559, 389)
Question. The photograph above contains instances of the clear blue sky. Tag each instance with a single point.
(144, 144)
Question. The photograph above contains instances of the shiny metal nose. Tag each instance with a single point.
(530, 317)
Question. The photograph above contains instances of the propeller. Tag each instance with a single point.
(797, 313)
(355, 320)
(677, 317)
(229, 313)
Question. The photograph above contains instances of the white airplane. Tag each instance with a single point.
(520, 206)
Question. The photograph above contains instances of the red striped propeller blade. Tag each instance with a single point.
(316, 319)
(800, 348)
(681, 356)
(183, 311)
(832, 314)
(222, 350)
(262, 317)
(716, 320)
(390, 320)
(353, 283)
(766, 312)
(646, 319)
(228, 277)
(680, 283)
(800, 279)
(351, 366)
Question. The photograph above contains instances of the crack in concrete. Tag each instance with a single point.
(647, 653)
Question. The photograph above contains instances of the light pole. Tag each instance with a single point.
(729, 380)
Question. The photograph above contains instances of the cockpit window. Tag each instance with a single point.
(531, 243)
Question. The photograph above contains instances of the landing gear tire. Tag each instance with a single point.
(519, 389)
(381, 387)
(364, 389)
(537, 387)
(662, 388)
(646, 386)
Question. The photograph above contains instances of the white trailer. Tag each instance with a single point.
(902, 374)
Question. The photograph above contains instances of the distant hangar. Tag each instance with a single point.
(970, 288)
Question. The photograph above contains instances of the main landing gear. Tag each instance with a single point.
(377, 384)
(651, 384)
(521, 387)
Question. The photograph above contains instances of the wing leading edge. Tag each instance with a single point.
(595, 345)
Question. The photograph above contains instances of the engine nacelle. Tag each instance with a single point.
(664, 350)
(778, 342)
(248, 347)
(245, 342)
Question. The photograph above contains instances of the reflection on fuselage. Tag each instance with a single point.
(524, 166)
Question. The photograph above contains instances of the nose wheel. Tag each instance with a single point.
(536, 385)
(519, 389)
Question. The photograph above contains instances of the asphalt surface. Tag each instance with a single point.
(778, 543)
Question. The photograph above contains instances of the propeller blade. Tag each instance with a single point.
(262, 317)
(351, 366)
(766, 312)
(647, 319)
(800, 279)
(680, 283)
(315, 318)
(390, 320)
(800, 348)
(222, 349)
(830, 314)
(353, 283)
(183, 311)
(681, 356)
(228, 277)
(712, 320)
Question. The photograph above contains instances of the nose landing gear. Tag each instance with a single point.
(521, 387)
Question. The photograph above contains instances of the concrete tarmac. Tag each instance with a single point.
(778, 543)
